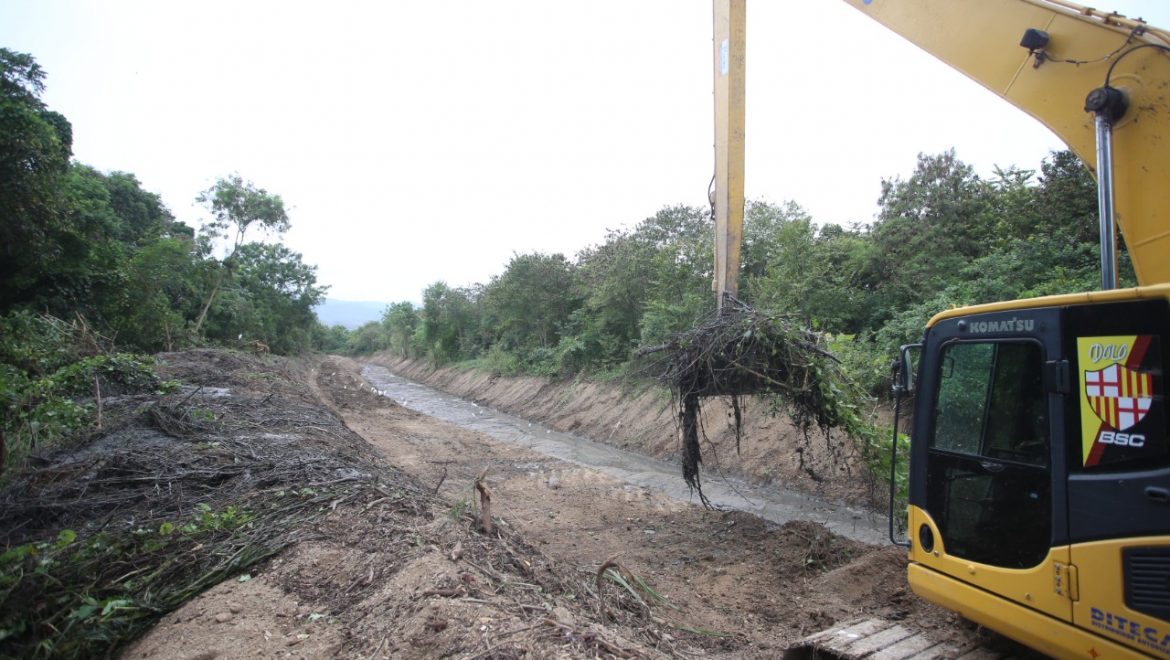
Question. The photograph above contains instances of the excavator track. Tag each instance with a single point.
(879, 639)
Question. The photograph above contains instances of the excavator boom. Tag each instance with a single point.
(1085, 50)
(727, 187)
(1039, 468)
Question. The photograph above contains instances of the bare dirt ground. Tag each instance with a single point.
(410, 573)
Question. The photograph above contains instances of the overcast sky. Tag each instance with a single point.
(422, 141)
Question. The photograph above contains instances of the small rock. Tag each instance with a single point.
(235, 608)
(554, 483)
(292, 641)
(223, 617)
(563, 615)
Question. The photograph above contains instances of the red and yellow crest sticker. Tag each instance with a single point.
(1117, 395)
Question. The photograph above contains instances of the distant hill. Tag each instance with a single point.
(350, 313)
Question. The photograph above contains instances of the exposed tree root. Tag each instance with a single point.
(745, 352)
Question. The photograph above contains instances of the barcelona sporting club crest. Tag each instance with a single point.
(1119, 396)
(1122, 407)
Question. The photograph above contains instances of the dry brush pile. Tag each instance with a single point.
(177, 493)
(743, 352)
(172, 495)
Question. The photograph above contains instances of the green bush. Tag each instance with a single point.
(73, 597)
(48, 390)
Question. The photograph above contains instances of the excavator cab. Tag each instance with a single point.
(1039, 467)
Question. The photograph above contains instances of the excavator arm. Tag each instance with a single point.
(1039, 466)
(1085, 50)
(1072, 51)
(730, 21)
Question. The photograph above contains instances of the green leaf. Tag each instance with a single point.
(83, 612)
(116, 604)
(18, 553)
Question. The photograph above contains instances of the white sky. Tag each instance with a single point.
(424, 141)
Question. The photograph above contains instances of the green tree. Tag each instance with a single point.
(158, 295)
(236, 206)
(929, 227)
(641, 285)
(815, 275)
(270, 299)
(35, 147)
(330, 339)
(449, 322)
(369, 338)
(400, 322)
(108, 219)
(531, 301)
(781, 265)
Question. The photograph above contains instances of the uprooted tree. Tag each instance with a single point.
(745, 352)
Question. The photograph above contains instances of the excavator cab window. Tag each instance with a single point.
(988, 482)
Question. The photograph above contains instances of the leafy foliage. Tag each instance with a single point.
(530, 303)
(51, 376)
(35, 146)
(238, 205)
(79, 243)
(943, 237)
(46, 615)
(400, 322)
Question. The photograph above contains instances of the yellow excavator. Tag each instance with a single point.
(1039, 492)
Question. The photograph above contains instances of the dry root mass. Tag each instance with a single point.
(743, 352)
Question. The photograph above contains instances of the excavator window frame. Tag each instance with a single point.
(973, 487)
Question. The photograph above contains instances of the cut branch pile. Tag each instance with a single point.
(746, 352)
(99, 540)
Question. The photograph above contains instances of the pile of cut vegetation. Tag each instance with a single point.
(741, 352)
(168, 497)
(176, 493)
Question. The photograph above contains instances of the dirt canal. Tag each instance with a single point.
(772, 503)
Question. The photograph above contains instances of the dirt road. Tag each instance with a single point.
(731, 584)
